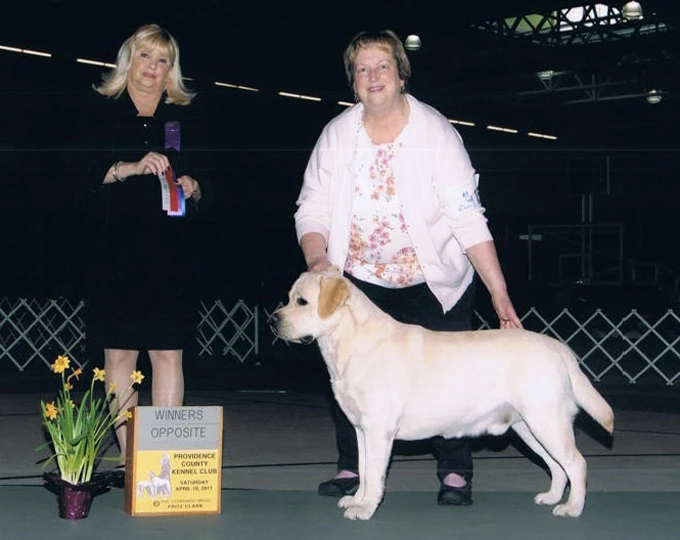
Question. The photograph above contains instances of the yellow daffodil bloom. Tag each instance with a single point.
(99, 374)
(60, 364)
(76, 373)
(71, 403)
(51, 411)
(68, 386)
(127, 414)
(136, 377)
(112, 387)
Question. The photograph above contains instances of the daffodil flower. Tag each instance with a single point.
(99, 374)
(76, 373)
(136, 377)
(60, 364)
(51, 411)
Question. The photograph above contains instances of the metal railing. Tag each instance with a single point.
(632, 347)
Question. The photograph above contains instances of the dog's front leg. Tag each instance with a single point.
(375, 447)
(351, 500)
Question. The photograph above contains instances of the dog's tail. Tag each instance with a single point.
(587, 397)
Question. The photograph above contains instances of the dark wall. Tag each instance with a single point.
(255, 148)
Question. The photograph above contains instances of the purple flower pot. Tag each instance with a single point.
(74, 500)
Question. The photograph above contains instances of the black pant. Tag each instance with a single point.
(415, 305)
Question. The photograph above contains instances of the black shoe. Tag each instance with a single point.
(339, 487)
(455, 496)
(114, 478)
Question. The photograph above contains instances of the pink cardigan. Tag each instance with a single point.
(437, 187)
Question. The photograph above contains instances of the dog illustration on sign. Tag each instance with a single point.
(158, 485)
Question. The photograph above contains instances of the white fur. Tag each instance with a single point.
(399, 381)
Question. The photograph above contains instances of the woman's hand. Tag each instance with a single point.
(505, 311)
(319, 265)
(485, 260)
(313, 246)
(190, 187)
(152, 163)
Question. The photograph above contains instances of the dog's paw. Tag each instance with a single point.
(348, 500)
(361, 511)
(547, 498)
(568, 510)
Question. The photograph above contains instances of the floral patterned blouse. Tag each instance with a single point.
(380, 249)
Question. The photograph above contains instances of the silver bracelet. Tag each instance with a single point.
(116, 174)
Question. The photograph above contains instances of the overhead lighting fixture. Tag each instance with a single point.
(632, 11)
(653, 97)
(542, 136)
(299, 96)
(36, 53)
(10, 49)
(236, 86)
(95, 63)
(25, 51)
(412, 42)
(503, 129)
(546, 75)
(462, 122)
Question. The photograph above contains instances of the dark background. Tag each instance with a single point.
(255, 145)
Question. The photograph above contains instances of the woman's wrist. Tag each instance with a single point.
(115, 172)
(120, 171)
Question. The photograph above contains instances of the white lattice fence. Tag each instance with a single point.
(229, 331)
(631, 348)
(33, 330)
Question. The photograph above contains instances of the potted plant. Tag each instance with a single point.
(76, 432)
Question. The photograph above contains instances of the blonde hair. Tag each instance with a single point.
(386, 39)
(148, 36)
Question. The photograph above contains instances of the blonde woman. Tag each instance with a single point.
(144, 264)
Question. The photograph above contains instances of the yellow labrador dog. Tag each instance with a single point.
(401, 381)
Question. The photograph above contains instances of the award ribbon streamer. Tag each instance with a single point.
(174, 203)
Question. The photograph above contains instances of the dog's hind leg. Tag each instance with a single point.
(556, 434)
(375, 447)
(558, 480)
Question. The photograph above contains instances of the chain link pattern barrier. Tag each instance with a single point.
(631, 348)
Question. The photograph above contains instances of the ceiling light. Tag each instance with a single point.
(542, 135)
(299, 96)
(503, 129)
(412, 42)
(462, 122)
(546, 75)
(95, 63)
(653, 97)
(236, 86)
(632, 11)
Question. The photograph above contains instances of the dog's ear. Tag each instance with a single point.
(334, 293)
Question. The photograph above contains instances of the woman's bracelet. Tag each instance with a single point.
(116, 172)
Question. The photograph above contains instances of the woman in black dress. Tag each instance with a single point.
(142, 286)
